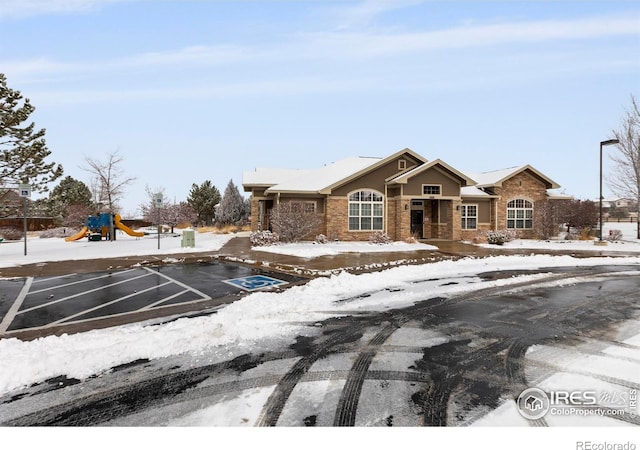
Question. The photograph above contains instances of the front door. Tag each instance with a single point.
(417, 217)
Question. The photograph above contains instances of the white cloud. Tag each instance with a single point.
(370, 44)
(365, 12)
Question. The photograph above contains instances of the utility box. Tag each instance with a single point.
(188, 238)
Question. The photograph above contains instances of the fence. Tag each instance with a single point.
(33, 223)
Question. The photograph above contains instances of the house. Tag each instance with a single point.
(403, 195)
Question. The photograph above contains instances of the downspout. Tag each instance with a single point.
(386, 208)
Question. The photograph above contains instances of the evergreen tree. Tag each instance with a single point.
(203, 199)
(232, 209)
(69, 193)
(23, 150)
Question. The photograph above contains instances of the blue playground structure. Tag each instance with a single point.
(103, 226)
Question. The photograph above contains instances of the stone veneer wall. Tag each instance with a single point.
(255, 216)
(520, 186)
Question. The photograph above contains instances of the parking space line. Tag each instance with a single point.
(81, 313)
(33, 308)
(77, 282)
(13, 311)
(166, 299)
(179, 283)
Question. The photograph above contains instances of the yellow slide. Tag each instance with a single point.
(79, 235)
(125, 228)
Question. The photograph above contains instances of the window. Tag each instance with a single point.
(469, 217)
(366, 211)
(306, 207)
(431, 189)
(520, 214)
(402, 164)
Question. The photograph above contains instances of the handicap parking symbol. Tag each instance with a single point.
(255, 282)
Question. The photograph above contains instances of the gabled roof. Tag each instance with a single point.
(314, 181)
(497, 177)
(379, 163)
(318, 181)
(404, 178)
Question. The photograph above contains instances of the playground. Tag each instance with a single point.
(103, 226)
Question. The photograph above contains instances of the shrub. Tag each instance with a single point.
(11, 233)
(499, 237)
(586, 233)
(379, 238)
(263, 238)
(58, 232)
(321, 239)
(614, 235)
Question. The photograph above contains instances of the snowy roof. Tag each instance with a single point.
(473, 191)
(497, 177)
(555, 194)
(319, 179)
(264, 176)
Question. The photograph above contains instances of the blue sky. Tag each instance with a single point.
(195, 90)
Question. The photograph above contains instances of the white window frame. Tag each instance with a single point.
(402, 164)
(308, 206)
(365, 210)
(465, 217)
(520, 214)
(439, 194)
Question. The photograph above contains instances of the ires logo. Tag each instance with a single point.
(534, 403)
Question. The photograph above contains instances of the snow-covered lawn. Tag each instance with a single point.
(314, 250)
(57, 249)
(629, 242)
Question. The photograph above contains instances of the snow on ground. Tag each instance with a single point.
(57, 249)
(629, 242)
(313, 250)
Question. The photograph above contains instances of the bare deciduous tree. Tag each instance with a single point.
(625, 180)
(292, 222)
(110, 177)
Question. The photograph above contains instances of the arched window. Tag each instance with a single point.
(520, 214)
(366, 211)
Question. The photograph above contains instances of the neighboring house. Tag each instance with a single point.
(403, 195)
(11, 204)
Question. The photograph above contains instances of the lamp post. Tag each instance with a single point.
(157, 201)
(602, 144)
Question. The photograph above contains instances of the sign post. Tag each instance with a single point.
(25, 192)
(158, 201)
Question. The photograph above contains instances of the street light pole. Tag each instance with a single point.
(602, 144)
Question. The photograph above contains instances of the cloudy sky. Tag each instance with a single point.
(190, 91)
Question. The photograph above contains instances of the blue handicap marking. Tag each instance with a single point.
(255, 282)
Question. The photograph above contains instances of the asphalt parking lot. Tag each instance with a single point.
(52, 304)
